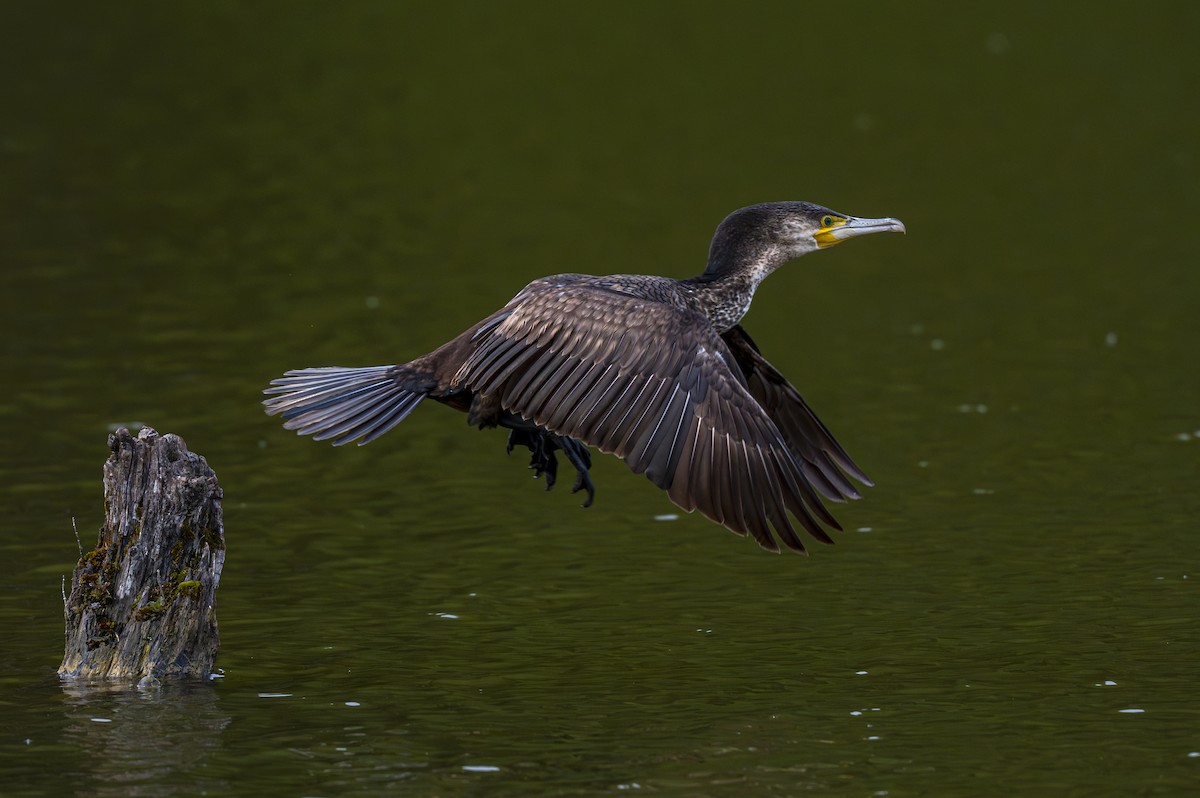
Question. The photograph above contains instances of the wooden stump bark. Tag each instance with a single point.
(141, 602)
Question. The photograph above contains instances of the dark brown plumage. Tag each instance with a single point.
(657, 371)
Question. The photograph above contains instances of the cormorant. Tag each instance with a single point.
(654, 370)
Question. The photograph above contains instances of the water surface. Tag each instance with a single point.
(195, 200)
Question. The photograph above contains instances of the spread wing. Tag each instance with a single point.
(656, 386)
(821, 457)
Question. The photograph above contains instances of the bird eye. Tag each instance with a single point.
(826, 221)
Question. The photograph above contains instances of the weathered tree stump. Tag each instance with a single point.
(141, 602)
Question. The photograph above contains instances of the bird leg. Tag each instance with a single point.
(581, 458)
(542, 444)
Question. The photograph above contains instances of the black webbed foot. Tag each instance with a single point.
(543, 462)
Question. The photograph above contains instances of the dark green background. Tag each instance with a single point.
(195, 197)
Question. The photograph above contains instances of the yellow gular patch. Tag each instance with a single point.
(824, 235)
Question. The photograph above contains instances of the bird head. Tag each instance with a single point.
(766, 236)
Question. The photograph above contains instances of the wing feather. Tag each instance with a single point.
(656, 385)
(822, 459)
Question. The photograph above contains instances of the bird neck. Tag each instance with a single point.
(725, 290)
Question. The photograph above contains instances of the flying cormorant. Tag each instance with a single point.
(654, 370)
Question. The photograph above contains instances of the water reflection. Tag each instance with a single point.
(153, 742)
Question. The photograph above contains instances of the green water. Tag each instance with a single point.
(194, 200)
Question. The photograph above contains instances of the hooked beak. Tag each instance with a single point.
(854, 226)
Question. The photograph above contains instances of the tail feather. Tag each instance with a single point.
(344, 404)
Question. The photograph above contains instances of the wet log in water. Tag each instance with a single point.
(141, 602)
